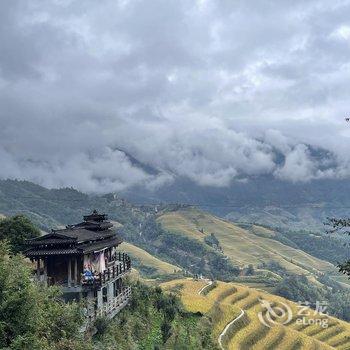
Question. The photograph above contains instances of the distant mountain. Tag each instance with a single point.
(176, 239)
(148, 169)
(166, 241)
(262, 199)
(250, 245)
(50, 208)
(299, 218)
(54, 208)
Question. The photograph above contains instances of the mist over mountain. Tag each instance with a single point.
(262, 199)
(252, 114)
(267, 199)
(214, 134)
(194, 91)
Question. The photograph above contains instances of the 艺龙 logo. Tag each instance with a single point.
(274, 313)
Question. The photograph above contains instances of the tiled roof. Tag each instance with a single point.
(79, 249)
(53, 241)
(88, 248)
(83, 235)
(36, 252)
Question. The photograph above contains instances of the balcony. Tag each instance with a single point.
(109, 309)
(113, 306)
(115, 269)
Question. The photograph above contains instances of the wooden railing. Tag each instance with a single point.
(116, 303)
(108, 309)
(120, 267)
(115, 268)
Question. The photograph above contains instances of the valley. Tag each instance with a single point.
(226, 301)
(254, 246)
(180, 247)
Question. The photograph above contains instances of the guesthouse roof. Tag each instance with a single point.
(85, 237)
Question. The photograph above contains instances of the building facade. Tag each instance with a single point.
(84, 260)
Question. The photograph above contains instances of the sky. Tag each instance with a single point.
(213, 91)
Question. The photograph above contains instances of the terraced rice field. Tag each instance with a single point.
(243, 246)
(149, 260)
(225, 302)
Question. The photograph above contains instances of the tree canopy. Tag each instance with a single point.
(341, 226)
(32, 316)
(16, 230)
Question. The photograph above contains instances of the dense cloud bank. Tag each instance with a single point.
(214, 91)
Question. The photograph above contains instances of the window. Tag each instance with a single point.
(104, 294)
(115, 290)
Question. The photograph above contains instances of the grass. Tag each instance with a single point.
(192, 301)
(234, 328)
(217, 292)
(240, 296)
(149, 260)
(224, 303)
(229, 291)
(258, 332)
(243, 246)
(275, 338)
(209, 288)
(329, 333)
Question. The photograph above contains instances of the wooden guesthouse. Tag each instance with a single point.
(84, 261)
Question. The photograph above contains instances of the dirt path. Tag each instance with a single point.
(204, 287)
(227, 327)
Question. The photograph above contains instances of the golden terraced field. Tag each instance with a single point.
(243, 246)
(224, 302)
(149, 260)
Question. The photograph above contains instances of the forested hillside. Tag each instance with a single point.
(260, 199)
(33, 317)
(254, 245)
(53, 208)
(170, 241)
(183, 239)
(180, 235)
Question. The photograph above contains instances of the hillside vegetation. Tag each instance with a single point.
(154, 320)
(187, 237)
(53, 208)
(33, 317)
(146, 262)
(184, 238)
(165, 239)
(263, 199)
(224, 302)
(243, 246)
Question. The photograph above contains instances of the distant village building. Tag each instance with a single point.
(83, 260)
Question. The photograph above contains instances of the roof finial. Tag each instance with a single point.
(95, 216)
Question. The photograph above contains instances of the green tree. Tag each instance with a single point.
(31, 316)
(341, 226)
(156, 320)
(16, 230)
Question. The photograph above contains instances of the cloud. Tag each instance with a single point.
(298, 166)
(215, 91)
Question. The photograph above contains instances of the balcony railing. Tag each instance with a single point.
(115, 304)
(115, 269)
(109, 309)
